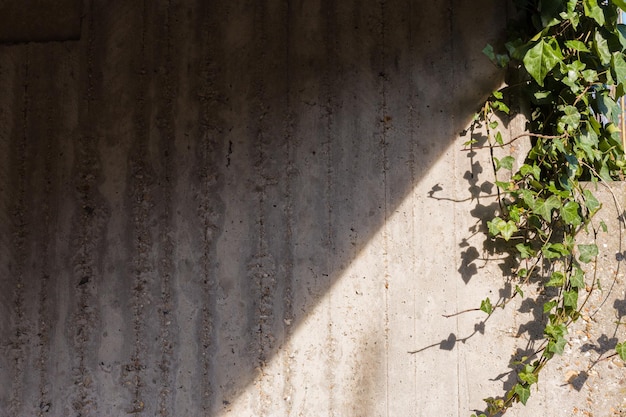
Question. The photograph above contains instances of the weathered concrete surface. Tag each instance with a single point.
(40, 20)
(229, 209)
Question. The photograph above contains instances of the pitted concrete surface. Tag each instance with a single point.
(252, 209)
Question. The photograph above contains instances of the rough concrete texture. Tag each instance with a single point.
(253, 209)
(40, 20)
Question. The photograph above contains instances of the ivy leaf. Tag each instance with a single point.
(608, 107)
(603, 226)
(588, 142)
(528, 374)
(556, 279)
(523, 393)
(621, 34)
(571, 14)
(572, 116)
(497, 226)
(507, 162)
(591, 202)
(621, 350)
(501, 60)
(577, 45)
(601, 46)
(499, 139)
(577, 279)
(619, 66)
(524, 250)
(594, 11)
(549, 306)
(555, 331)
(557, 346)
(569, 213)
(544, 207)
(541, 58)
(485, 305)
(587, 253)
(554, 251)
(590, 75)
(570, 299)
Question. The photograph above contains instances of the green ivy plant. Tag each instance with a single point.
(567, 71)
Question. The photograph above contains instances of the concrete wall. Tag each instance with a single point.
(245, 208)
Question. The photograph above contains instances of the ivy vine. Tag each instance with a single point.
(567, 70)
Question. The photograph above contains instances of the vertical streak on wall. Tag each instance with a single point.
(261, 273)
(267, 270)
(309, 67)
(6, 290)
(209, 195)
(287, 203)
(453, 122)
(44, 195)
(200, 209)
(87, 224)
(402, 236)
(19, 217)
(141, 205)
(384, 125)
(166, 125)
(328, 106)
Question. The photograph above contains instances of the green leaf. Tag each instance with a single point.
(594, 11)
(577, 279)
(490, 53)
(569, 213)
(603, 226)
(587, 253)
(557, 346)
(570, 299)
(501, 60)
(523, 393)
(541, 58)
(557, 279)
(554, 251)
(493, 226)
(601, 47)
(621, 350)
(544, 207)
(507, 162)
(519, 291)
(591, 202)
(499, 140)
(549, 306)
(577, 45)
(485, 305)
(570, 118)
(619, 67)
(608, 107)
(588, 142)
(571, 13)
(590, 75)
(528, 376)
(525, 251)
(497, 226)
(498, 105)
(621, 35)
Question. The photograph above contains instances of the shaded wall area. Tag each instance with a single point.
(221, 207)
